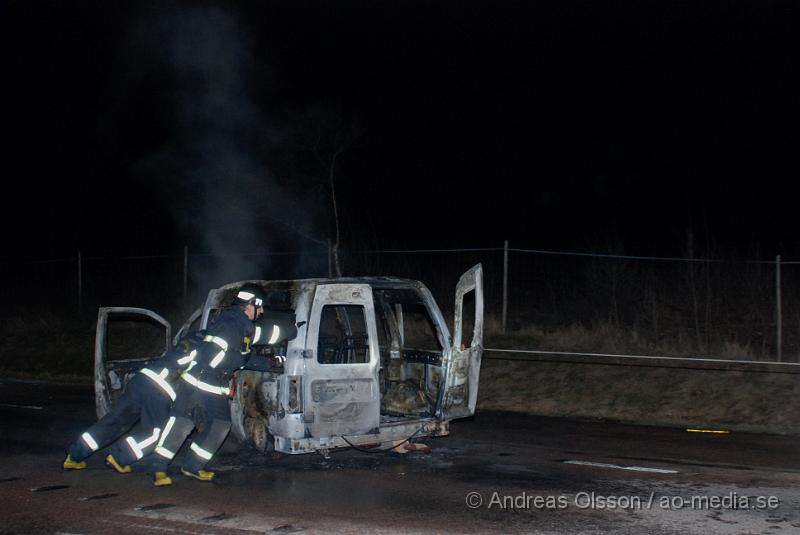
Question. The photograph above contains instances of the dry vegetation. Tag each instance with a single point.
(605, 337)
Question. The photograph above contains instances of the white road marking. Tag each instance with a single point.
(207, 520)
(618, 467)
(34, 407)
(151, 527)
(205, 517)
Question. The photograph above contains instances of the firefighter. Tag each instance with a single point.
(203, 400)
(147, 398)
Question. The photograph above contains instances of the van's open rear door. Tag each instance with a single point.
(341, 391)
(463, 369)
(110, 376)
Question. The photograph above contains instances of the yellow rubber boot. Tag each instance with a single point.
(70, 464)
(112, 462)
(202, 475)
(161, 479)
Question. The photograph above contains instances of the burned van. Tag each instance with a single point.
(373, 362)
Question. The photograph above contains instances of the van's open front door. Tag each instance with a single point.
(463, 369)
(110, 376)
(341, 391)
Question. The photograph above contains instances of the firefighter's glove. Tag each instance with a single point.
(277, 361)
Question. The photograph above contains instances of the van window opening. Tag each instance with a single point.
(343, 335)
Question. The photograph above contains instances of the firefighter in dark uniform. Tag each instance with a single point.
(147, 398)
(203, 397)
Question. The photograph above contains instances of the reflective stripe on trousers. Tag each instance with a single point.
(138, 447)
(89, 441)
(200, 452)
(160, 380)
(160, 449)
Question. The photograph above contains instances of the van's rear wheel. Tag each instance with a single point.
(257, 435)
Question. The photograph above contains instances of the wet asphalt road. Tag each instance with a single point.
(497, 472)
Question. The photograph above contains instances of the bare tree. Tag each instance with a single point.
(333, 134)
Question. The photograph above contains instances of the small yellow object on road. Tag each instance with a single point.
(715, 431)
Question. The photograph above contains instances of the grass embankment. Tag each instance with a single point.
(745, 401)
(47, 347)
(734, 400)
(61, 348)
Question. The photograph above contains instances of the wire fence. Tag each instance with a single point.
(699, 306)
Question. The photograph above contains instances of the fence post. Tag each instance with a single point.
(185, 270)
(778, 315)
(505, 285)
(330, 259)
(80, 284)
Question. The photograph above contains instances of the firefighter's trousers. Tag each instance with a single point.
(143, 401)
(210, 413)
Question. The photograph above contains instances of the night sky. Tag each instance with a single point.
(137, 127)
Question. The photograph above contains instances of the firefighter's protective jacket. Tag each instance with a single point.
(225, 349)
(168, 367)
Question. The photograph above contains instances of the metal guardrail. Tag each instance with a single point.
(650, 361)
